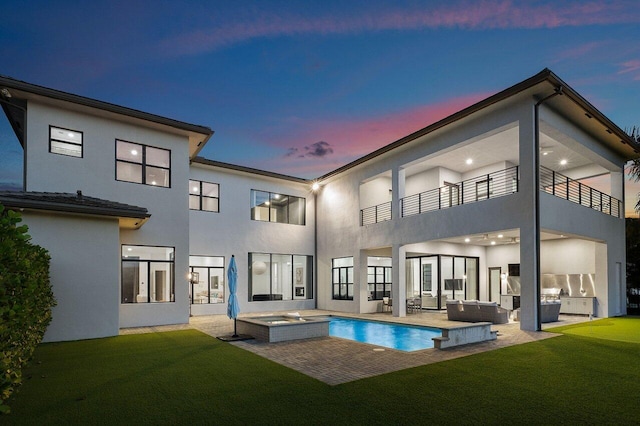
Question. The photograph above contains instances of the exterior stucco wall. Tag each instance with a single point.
(84, 272)
(339, 231)
(232, 231)
(94, 175)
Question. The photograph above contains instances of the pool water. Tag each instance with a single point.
(395, 336)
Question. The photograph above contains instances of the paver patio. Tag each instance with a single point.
(335, 361)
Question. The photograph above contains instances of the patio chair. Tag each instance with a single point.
(386, 304)
(417, 304)
(410, 305)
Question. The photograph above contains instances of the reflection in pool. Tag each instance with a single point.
(395, 336)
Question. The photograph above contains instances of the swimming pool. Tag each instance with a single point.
(395, 336)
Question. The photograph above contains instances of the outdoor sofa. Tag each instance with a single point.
(475, 311)
(549, 310)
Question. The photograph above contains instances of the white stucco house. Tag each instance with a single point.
(515, 199)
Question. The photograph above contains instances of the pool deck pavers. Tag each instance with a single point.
(335, 361)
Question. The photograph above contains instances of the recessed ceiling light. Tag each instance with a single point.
(545, 153)
(153, 182)
(563, 162)
(195, 189)
(500, 235)
(129, 249)
(466, 240)
(134, 152)
(493, 243)
(71, 135)
(469, 161)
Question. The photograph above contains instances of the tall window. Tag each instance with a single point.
(147, 274)
(342, 272)
(144, 164)
(204, 196)
(207, 279)
(280, 277)
(272, 207)
(379, 277)
(65, 141)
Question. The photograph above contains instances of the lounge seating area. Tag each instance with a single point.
(431, 302)
(475, 311)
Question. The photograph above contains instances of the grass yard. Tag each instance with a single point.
(186, 377)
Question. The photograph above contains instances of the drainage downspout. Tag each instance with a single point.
(536, 220)
(315, 248)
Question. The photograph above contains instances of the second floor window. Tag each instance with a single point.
(65, 141)
(144, 164)
(204, 196)
(281, 208)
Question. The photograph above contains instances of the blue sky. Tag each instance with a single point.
(304, 87)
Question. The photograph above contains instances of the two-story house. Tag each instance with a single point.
(514, 199)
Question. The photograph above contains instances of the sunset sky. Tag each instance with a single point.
(303, 87)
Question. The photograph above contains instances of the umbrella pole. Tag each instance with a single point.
(235, 333)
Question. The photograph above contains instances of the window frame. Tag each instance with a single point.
(339, 284)
(143, 163)
(201, 196)
(386, 281)
(295, 296)
(208, 268)
(172, 275)
(272, 196)
(52, 139)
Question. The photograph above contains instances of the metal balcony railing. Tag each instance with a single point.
(375, 214)
(561, 186)
(483, 187)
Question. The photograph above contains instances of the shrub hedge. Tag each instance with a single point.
(26, 299)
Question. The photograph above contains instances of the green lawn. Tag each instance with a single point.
(186, 377)
(623, 329)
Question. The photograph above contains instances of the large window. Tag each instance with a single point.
(207, 279)
(342, 273)
(144, 164)
(272, 207)
(147, 274)
(379, 277)
(280, 277)
(65, 141)
(204, 196)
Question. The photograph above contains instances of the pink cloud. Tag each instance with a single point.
(631, 67)
(352, 139)
(471, 15)
(580, 51)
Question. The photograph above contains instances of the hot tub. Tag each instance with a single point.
(281, 328)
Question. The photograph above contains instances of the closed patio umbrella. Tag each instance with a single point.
(233, 308)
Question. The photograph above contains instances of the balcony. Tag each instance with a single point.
(483, 187)
(561, 186)
(375, 214)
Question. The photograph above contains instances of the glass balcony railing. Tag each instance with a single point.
(562, 186)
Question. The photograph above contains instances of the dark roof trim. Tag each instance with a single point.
(12, 83)
(544, 75)
(71, 203)
(250, 170)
